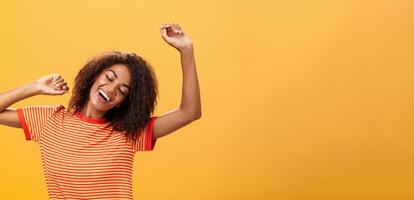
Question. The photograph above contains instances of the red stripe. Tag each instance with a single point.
(23, 123)
(150, 141)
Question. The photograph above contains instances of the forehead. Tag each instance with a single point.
(121, 71)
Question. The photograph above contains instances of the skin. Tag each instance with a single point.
(188, 111)
(115, 82)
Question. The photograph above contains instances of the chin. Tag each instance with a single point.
(99, 106)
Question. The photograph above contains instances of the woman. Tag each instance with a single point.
(88, 148)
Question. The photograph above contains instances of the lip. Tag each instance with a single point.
(100, 98)
(107, 94)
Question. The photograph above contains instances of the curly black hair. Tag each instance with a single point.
(135, 111)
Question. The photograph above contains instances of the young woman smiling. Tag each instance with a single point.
(87, 149)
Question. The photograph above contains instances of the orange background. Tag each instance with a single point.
(302, 100)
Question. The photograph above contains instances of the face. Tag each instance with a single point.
(110, 88)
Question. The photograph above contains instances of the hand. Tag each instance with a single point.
(174, 36)
(52, 84)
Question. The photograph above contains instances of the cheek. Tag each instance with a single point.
(119, 99)
(100, 81)
(97, 83)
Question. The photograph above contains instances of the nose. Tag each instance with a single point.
(111, 89)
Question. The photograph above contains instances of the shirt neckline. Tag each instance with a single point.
(89, 119)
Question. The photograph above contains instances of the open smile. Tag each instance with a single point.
(104, 95)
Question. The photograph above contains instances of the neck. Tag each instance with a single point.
(90, 112)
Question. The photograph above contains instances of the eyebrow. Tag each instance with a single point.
(116, 76)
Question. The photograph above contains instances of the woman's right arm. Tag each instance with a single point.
(9, 117)
(52, 84)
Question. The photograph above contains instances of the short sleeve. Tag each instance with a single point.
(34, 118)
(145, 141)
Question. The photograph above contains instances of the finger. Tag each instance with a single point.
(58, 81)
(169, 29)
(172, 28)
(163, 32)
(175, 29)
(58, 92)
(162, 27)
(56, 76)
(60, 85)
(179, 28)
(165, 26)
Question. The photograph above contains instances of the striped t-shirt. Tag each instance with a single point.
(82, 158)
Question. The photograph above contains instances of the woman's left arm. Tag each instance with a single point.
(190, 107)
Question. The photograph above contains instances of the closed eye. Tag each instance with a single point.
(123, 93)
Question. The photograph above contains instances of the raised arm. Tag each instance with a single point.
(52, 84)
(190, 107)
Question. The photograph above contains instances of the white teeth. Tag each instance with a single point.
(105, 95)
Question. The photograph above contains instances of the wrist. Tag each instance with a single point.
(34, 88)
(187, 48)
